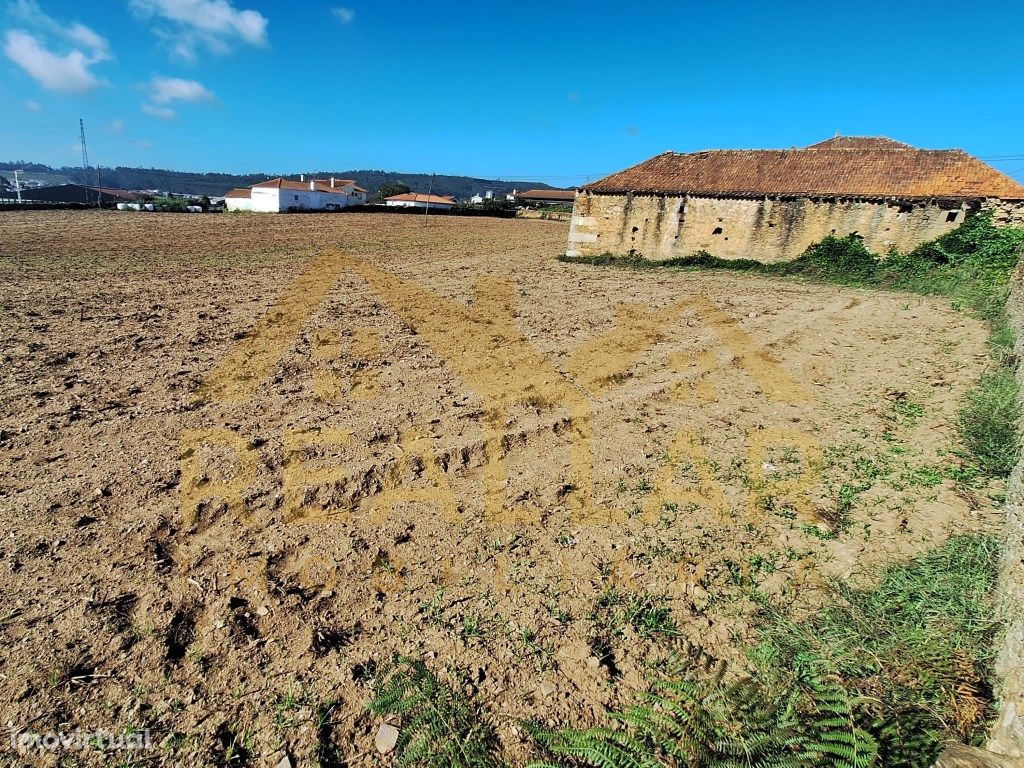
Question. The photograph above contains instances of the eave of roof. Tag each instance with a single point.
(869, 168)
(319, 185)
(417, 197)
(549, 194)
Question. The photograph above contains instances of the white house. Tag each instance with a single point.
(416, 200)
(279, 195)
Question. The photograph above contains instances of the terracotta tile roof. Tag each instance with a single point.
(853, 166)
(321, 185)
(239, 193)
(111, 192)
(566, 195)
(281, 184)
(860, 142)
(416, 197)
(324, 185)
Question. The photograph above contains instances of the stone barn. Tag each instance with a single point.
(771, 204)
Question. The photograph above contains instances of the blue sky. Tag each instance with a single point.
(560, 91)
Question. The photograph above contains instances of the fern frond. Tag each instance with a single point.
(439, 728)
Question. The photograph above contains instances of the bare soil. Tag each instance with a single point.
(743, 433)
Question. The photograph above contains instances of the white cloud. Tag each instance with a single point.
(29, 13)
(164, 91)
(69, 72)
(185, 26)
(58, 55)
(116, 126)
(33, 106)
(81, 34)
(344, 15)
(164, 113)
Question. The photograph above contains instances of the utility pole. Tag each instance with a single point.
(430, 191)
(17, 185)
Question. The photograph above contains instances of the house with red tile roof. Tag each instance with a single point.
(417, 200)
(771, 204)
(281, 195)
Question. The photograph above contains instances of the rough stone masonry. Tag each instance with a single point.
(771, 205)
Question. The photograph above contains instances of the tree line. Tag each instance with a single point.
(216, 184)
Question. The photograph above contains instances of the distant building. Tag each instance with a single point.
(278, 195)
(548, 196)
(416, 200)
(71, 193)
(238, 199)
(771, 204)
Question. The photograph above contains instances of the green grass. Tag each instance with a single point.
(916, 649)
(650, 615)
(987, 422)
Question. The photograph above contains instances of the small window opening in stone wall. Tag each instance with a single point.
(635, 230)
(951, 216)
(718, 231)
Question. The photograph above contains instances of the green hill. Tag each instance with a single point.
(215, 184)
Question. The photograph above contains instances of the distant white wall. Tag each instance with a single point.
(274, 200)
(238, 203)
(266, 199)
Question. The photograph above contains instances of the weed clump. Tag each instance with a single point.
(988, 420)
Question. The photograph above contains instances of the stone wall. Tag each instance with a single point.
(660, 227)
(530, 213)
(1007, 735)
(1006, 212)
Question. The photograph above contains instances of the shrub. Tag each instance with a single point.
(918, 647)
(839, 259)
